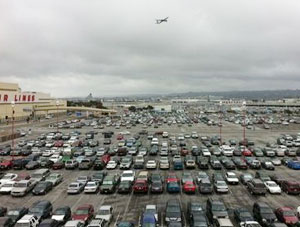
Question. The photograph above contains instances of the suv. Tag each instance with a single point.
(291, 187)
(263, 213)
(256, 186)
(109, 184)
(42, 209)
(173, 211)
(215, 209)
(71, 164)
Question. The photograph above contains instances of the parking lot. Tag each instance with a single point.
(130, 206)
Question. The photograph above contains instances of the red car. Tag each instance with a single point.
(184, 151)
(140, 186)
(105, 158)
(84, 213)
(189, 187)
(120, 137)
(172, 178)
(291, 187)
(58, 143)
(246, 152)
(58, 165)
(286, 215)
(6, 164)
(22, 176)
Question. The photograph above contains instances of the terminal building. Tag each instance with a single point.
(25, 104)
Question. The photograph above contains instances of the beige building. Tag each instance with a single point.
(25, 103)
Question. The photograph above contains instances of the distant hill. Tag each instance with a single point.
(267, 94)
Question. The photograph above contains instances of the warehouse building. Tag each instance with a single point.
(25, 103)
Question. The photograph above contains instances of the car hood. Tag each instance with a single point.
(106, 186)
(105, 217)
(18, 190)
(268, 217)
(58, 217)
(220, 214)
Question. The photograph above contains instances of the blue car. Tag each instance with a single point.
(178, 165)
(173, 187)
(148, 220)
(294, 165)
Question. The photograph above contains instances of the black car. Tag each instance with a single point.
(173, 211)
(17, 213)
(215, 209)
(41, 209)
(240, 163)
(202, 162)
(263, 213)
(99, 165)
(194, 209)
(45, 162)
(98, 177)
(156, 187)
(228, 164)
(242, 214)
(49, 223)
(3, 211)
(20, 163)
(42, 188)
(199, 220)
(125, 187)
(6, 222)
(5, 149)
(62, 214)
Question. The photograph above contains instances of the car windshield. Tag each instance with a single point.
(266, 210)
(218, 207)
(35, 210)
(288, 213)
(148, 224)
(73, 185)
(59, 212)
(6, 177)
(127, 175)
(9, 185)
(13, 213)
(221, 183)
(91, 184)
(104, 212)
(81, 211)
(272, 184)
(20, 185)
(107, 182)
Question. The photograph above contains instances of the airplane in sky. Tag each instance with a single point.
(158, 21)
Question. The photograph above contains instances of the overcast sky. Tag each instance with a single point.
(114, 48)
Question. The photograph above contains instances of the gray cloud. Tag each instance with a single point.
(73, 47)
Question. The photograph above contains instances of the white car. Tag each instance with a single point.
(8, 177)
(154, 141)
(128, 175)
(47, 153)
(221, 186)
(111, 164)
(151, 164)
(206, 153)
(272, 187)
(231, 178)
(91, 187)
(55, 158)
(226, 150)
(106, 213)
(7, 187)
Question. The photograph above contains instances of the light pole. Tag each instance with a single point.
(244, 124)
(12, 125)
(220, 122)
(57, 104)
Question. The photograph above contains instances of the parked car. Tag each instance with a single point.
(84, 213)
(17, 213)
(62, 214)
(125, 186)
(286, 215)
(263, 213)
(75, 188)
(41, 209)
(242, 215)
(215, 209)
(42, 188)
(173, 212)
